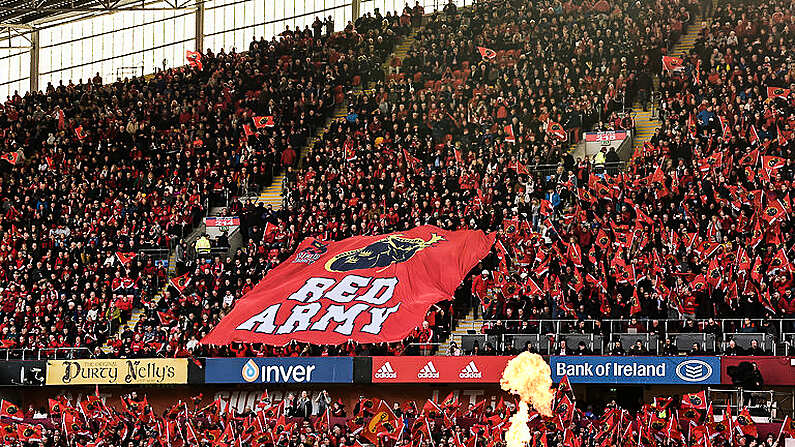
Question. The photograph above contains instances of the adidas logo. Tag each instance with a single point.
(428, 372)
(386, 372)
(470, 372)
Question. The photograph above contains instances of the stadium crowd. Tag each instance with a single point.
(391, 163)
(471, 130)
(305, 421)
(99, 180)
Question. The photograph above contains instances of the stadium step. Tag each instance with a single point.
(463, 326)
(272, 195)
(645, 122)
(138, 313)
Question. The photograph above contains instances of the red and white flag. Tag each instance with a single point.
(673, 63)
(263, 121)
(778, 92)
(509, 136)
(80, 133)
(11, 157)
(487, 53)
(194, 59)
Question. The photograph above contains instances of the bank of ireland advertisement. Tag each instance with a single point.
(641, 370)
(279, 370)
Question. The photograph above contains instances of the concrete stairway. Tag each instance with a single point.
(138, 313)
(645, 124)
(468, 323)
(272, 195)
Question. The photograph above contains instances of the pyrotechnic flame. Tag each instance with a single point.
(529, 377)
(518, 434)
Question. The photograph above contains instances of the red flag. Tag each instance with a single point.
(11, 157)
(565, 410)
(745, 423)
(396, 278)
(125, 258)
(181, 282)
(509, 136)
(487, 53)
(778, 92)
(9, 410)
(787, 428)
(383, 423)
(774, 211)
(695, 400)
(270, 228)
(771, 163)
(780, 261)
(263, 121)
(724, 127)
(194, 59)
(81, 135)
(29, 433)
(166, 318)
(557, 131)
(673, 63)
(753, 137)
(247, 130)
(55, 406)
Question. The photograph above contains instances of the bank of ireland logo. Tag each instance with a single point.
(694, 370)
(250, 371)
(392, 249)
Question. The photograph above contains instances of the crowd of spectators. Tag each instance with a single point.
(107, 178)
(699, 227)
(391, 163)
(462, 134)
(303, 421)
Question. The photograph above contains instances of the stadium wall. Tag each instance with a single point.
(598, 370)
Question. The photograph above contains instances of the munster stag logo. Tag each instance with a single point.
(392, 249)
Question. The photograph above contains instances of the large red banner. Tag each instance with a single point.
(437, 369)
(774, 370)
(369, 289)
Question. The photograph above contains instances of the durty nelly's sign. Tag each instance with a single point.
(117, 372)
(656, 370)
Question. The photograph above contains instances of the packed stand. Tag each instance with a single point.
(320, 421)
(99, 181)
(699, 227)
(174, 325)
(413, 151)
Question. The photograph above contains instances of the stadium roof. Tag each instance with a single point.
(25, 12)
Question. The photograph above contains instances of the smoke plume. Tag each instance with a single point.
(529, 377)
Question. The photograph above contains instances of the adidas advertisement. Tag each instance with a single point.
(438, 369)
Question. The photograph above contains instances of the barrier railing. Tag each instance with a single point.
(67, 353)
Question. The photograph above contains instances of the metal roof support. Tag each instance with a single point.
(34, 61)
(10, 31)
(199, 31)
